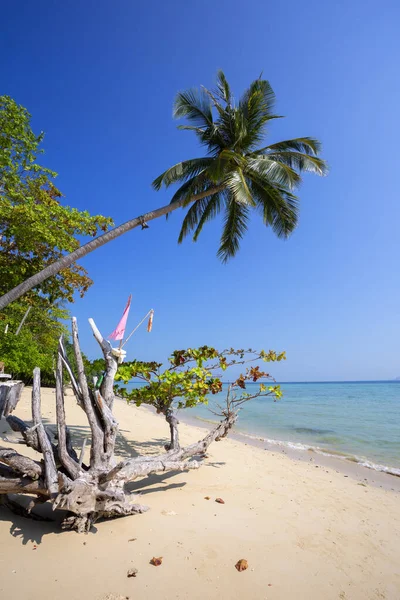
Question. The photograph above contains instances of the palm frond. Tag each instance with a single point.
(234, 228)
(279, 208)
(307, 145)
(235, 158)
(192, 187)
(212, 209)
(195, 105)
(198, 130)
(256, 106)
(300, 161)
(272, 171)
(214, 101)
(192, 218)
(237, 184)
(182, 171)
(259, 98)
(223, 89)
(208, 136)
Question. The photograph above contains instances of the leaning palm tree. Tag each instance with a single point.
(235, 176)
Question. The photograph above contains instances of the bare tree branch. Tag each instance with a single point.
(48, 457)
(97, 447)
(107, 385)
(21, 464)
(74, 383)
(66, 460)
(11, 483)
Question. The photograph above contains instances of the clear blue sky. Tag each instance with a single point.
(100, 77)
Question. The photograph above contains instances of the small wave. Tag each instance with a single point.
(382, 468)
(311, 448)
(333, 453)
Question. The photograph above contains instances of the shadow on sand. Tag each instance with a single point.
(29, 530)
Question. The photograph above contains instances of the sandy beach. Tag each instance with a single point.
(309, 528)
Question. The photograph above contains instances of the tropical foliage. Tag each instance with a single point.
(35, 230)
(238, 172)
(192, 376)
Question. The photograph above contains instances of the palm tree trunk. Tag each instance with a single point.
(68, 259)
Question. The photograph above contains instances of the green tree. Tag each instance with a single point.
(236, 176)
(190, 379)
(35, 230)
(35, 346)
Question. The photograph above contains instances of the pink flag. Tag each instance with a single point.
(119, 331)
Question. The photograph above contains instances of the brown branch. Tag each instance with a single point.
(70, 448)
(21, 464)
(173, 460)
(97, 446)
(67, 462)
(28, 433)
(30, 436)
(107, 386)
(110, 425)
(20, 510)
(51, 476)
(70, 372)
(10, 483)
(215, 435)
(142, 467)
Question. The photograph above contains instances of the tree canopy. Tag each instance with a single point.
(35, 230)
(238, 172)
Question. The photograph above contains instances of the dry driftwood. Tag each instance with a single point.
(10, 393)
(87, 492)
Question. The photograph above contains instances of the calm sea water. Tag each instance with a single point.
(358, 420)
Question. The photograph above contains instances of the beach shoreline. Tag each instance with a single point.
(355, 470)
(312, 530)
(352, 423)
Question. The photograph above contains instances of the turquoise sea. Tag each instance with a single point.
(359, 421)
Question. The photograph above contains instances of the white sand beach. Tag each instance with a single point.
(308, 530)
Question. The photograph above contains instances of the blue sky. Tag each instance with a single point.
(99, 78)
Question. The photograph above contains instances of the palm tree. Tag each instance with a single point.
(235, 176)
